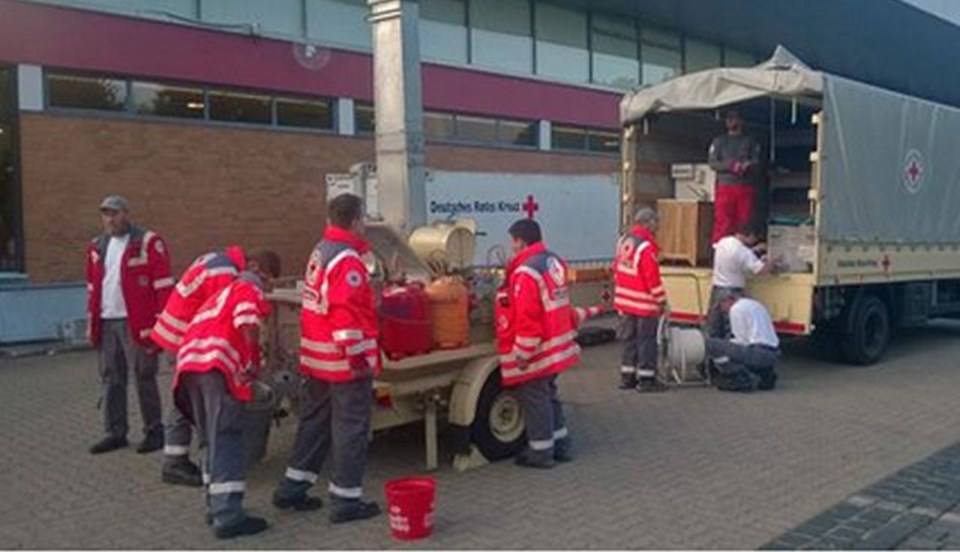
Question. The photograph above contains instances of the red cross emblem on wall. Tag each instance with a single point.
(913, 171)
(531, 207)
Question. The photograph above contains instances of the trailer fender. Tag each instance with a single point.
(466, 390)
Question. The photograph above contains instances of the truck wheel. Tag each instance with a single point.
(498, 428)
(869, 331)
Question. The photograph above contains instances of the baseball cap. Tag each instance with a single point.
(114, 203)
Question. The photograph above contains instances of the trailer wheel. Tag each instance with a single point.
(868, 327)
(498, 429)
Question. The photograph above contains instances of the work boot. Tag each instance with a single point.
(740, 382)
(301, 503)
(344, 510)
(628, 380)
(247, 525)
(650, 385)
(152, 442)
(768, 381)
(526, 459)
(561, 450)
(179, 470)
(109, 444)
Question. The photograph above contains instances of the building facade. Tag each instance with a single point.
(219, 118)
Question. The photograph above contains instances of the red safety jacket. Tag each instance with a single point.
(144, 278)
(638, 289)
(214, 339)
(207, 275)
(338, 322)
(535, 320)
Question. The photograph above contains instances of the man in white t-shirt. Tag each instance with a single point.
(735, 259)
(748, 360)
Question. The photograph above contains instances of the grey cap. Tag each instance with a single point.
(114, 203)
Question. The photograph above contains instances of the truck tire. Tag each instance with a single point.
(498, 429)
(868, 331)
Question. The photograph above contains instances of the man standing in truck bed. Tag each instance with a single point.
(736, 159)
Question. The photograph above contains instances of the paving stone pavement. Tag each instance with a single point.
(692, 468)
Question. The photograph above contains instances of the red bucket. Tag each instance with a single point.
(411, 502)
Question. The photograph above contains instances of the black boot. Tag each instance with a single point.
(650, 385)
(768, 380)
(528, 459)
(301, 503)
(109, 444)
(247, 525)
(179, 470)
(152, 442)
(561, 450)
(344, 510)
(628, 380)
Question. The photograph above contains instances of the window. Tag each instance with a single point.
(476, 129)
(701, 55)
(82, 92)
(660, 54)
(340, 22)
(167, 101)
(500, 35)
(562, 43)
(11, 235)
(571, 138)
(305, 113)
(279, 17)
(518, 133)
(363, 117)
(239, 108)
(615, 51)
(736, 58)
(439, 126)
(443, 30)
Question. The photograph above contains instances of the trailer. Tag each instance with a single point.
(861, 194)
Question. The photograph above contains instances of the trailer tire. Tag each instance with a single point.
(498, 428)
(868, 331)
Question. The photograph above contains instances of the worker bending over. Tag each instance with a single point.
(640, 299)
(735, 258)
(217, 364)
(536, 342)
(205, 277)
(736, 159)
(748, 360)
(340, 356)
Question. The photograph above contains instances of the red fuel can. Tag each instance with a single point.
(406, 327)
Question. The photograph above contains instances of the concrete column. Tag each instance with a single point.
(346, 123)
(546, 136)
(398, 104)
(30, 87)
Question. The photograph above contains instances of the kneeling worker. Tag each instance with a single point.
(216, 368)
(748, 360)
(536, 341)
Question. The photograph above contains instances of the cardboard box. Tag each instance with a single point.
(792, 247)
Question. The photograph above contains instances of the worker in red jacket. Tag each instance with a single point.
(536, 341)
(208, 275)
(128, 282)
(640, 299)
(217, 365)
(340, 356)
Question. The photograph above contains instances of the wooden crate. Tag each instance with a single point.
(684, 233)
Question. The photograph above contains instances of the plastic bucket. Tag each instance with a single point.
(410, 503)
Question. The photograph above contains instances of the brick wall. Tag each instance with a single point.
(202, 187)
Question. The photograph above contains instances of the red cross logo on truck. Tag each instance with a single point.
(531, 207)
(885, 263)
(913, 171)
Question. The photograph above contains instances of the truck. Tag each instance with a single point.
(861, 193)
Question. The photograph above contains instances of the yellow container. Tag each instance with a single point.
(450, 312)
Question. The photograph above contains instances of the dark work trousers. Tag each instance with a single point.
(119, 353)
(543, 415)
(639, 334)
(717, 323)
(337, 416)
(730, 357)
(177, 435)
(218, 416)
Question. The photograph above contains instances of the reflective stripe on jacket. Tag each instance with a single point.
(638, 288)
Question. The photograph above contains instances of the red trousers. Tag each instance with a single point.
(733, 208)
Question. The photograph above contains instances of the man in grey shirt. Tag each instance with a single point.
(736, 159)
